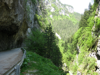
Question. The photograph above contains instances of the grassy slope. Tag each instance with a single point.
(43, 65)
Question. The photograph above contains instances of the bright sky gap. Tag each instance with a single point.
(79, 5)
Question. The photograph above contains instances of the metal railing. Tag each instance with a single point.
(16, 69)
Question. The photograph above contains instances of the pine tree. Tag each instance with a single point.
(84, 18)
(50, 38)
(90, 8)
(52, 50)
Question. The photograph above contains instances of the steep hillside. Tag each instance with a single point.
(82, 50)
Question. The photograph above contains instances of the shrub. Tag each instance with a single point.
(36, 42)
(33, 1)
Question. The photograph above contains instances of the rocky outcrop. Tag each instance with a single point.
(98, 47)
(96, 54)
(93, 54)
(98, 71)
(16, 16)
(70, 9)
(13, 25)
(79, 73)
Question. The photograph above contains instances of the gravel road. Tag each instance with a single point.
(9, 58)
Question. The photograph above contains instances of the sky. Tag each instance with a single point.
(79, 5)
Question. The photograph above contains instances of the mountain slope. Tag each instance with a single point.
(63, 18)
(83, 48)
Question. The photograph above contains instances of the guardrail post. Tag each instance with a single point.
(17, 70)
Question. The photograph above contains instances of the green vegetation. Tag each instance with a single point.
(33, 1)
(42, 66)
(41, 21)
(82, 43)
(65, 25)
(97, 23)
(65, 28)
(45, 45)
(78, 41)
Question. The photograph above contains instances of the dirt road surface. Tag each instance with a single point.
(9, 58)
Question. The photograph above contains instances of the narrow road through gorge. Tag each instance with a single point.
(9, 58)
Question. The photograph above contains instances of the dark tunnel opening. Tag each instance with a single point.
(7, 36)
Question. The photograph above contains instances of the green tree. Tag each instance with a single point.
(84, 18)
(45, 44)
(52, 50)
(35, 42)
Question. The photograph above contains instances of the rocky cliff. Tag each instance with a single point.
(16, 21)
(57, 7)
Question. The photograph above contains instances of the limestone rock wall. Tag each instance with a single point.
(16, 19)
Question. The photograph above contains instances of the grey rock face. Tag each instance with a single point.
(16, 16)
(98, 71)
(98, 64)
(79, 73)
(12, 23)
(28, 31)
(30, 12)
(64, 67)
(11, 12)
(93, 54)
(98, 47)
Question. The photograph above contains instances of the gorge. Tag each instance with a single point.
(58, 41)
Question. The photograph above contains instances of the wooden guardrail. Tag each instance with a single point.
(15, 70)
